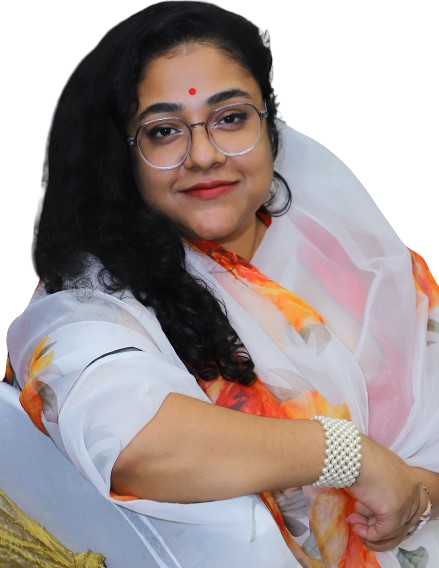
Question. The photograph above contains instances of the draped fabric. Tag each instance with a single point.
(346, 548)
(339, 318)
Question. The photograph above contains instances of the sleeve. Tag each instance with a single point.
(93, 372)
(110, 403)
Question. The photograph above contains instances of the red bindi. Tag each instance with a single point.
(192, 91)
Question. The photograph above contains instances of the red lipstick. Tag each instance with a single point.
(210, 190)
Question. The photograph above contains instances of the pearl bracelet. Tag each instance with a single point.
(343, 453)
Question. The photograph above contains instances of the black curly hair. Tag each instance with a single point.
(92, 205)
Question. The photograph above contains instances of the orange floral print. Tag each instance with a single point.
(114, 495)
(337, 544)
(255, 399)
(31, 395)
(294, 308)
(424, 280)
(303, 558)
(312, 403)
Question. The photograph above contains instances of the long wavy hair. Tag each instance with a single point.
(92, 205)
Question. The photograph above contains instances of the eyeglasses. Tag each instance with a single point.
(165, 143)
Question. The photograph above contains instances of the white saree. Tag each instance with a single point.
(101, 365)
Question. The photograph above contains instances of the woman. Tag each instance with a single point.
(174, 274)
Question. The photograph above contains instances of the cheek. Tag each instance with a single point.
(262, 167)
(149, 184)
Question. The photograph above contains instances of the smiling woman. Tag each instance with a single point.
(215, 288)
(216, 191)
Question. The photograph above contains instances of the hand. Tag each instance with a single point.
(389, 498)
(360, 522)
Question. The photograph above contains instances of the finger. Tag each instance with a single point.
(380, 532)
(356, 518)
(386, 544)
(363, 510)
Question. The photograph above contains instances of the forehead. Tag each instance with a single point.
(200, 68)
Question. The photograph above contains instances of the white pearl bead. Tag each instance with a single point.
(343, 461)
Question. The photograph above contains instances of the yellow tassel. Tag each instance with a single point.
(24, 543)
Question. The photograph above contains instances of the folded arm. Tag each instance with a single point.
(193, 451)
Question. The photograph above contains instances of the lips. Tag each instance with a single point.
(211, 189)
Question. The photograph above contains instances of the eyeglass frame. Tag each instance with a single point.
(132, 140)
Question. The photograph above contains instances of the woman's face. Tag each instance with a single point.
(192, 83)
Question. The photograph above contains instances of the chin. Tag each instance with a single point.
(205, 234)
(210, 233)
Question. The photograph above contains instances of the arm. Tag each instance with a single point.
(194, 451)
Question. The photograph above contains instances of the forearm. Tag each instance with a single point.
(193, 451)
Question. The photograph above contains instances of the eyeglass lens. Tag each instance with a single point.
(234, 130)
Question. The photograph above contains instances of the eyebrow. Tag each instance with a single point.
(215, 99)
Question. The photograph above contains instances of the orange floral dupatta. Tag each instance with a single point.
(327, 508)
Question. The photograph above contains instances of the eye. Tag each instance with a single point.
(230, 119)
(160, 132)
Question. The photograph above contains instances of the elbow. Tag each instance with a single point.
(124, 480)
(152, 478)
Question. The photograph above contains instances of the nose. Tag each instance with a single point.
(203, 154)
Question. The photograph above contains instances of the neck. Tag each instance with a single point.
(246, 242)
